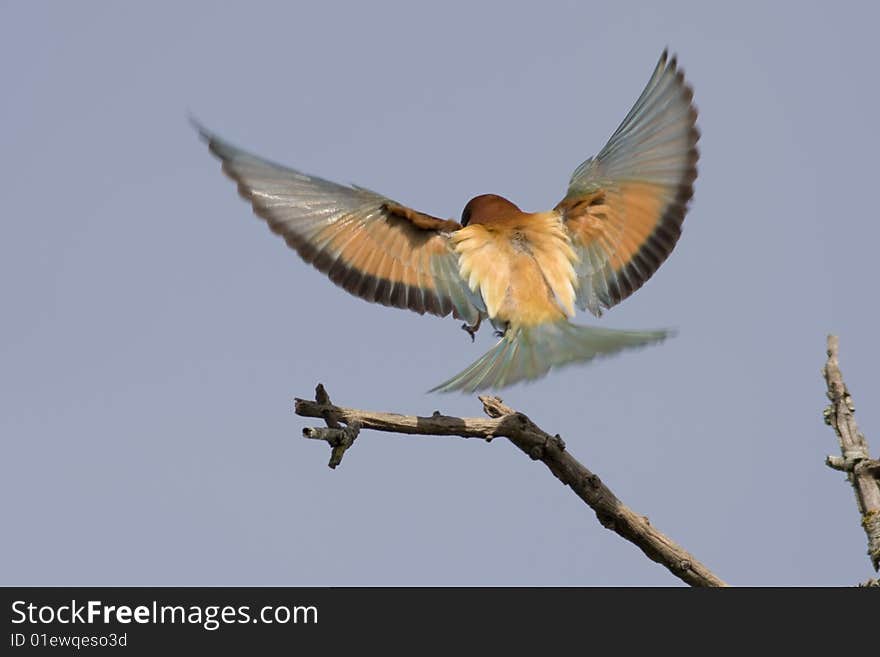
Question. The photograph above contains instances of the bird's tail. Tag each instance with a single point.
(530, 352)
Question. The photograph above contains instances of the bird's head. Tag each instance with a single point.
(487, 208)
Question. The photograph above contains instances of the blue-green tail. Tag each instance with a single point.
(529, 353)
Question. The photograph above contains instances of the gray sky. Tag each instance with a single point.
(154, 332)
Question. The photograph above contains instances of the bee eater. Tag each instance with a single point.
(523, 271)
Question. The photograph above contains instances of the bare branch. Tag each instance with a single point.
(862, 471)
(504, 421)
(338, 437)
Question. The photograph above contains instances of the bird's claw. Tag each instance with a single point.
(471, 329)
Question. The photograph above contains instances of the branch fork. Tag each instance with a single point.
(340, 438)
(862, 472)
(537, 444)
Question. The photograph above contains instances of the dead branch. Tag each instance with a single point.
(505, 422)
(861, 470)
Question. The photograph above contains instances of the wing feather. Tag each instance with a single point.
(369, 245)
(625, 207)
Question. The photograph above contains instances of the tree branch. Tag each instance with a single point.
(862, 471)
(505, 422)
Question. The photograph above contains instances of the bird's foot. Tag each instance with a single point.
(499, 334)
(471, 329)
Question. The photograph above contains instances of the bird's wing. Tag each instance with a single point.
(366, 243)
(624, 208)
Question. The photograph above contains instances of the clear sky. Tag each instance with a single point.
(154, 333)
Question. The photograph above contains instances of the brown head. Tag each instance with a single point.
(487, 209)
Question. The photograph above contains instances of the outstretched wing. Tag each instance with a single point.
(366, 243)
(625, 207)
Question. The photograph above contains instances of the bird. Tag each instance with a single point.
(524, 272)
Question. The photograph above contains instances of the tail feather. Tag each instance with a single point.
(530, 352)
